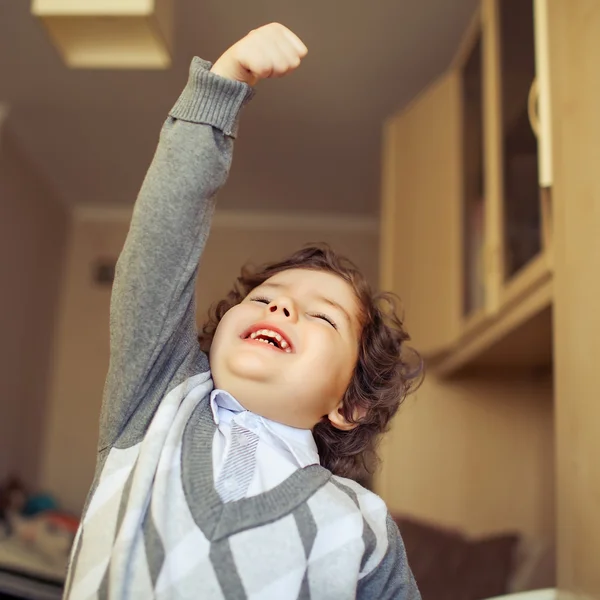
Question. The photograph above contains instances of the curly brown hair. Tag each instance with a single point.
(385, 372)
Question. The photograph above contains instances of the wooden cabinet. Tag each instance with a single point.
(518, 145)
(466, 217)
(575, 28)
(512, 449)
(421, 224)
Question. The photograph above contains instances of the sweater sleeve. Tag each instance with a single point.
(392, 578)
(152, 312)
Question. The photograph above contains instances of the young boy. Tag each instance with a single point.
(209, 482)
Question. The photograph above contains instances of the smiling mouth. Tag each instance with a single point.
(271, 338)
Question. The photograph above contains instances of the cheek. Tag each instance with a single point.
(216, 342)
(340, 361)
(346, 366)
(226, 329)
(347, 358)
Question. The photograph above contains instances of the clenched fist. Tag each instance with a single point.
(270, 51)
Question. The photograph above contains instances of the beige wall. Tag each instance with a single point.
(476, 454)
(82, 343)
(32, 233)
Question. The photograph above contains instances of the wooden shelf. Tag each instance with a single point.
(535, 273)
(492, 257)
(519, 335)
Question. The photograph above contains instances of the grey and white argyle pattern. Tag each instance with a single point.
(156, 526)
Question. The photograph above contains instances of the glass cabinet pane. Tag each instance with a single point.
(473, 177)
(522, 219)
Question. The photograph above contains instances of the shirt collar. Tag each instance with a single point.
(223, 399)
(299, 442)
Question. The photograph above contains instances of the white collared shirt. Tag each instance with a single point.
(281, 449)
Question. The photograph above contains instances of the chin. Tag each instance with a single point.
(249, 366)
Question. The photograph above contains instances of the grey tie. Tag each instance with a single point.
(237, 472)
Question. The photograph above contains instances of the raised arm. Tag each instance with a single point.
(152, 317)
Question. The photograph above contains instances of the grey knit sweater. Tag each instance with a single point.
(154, 525)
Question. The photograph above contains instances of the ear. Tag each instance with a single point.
(337, 419)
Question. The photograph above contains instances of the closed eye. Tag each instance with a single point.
(325, 318)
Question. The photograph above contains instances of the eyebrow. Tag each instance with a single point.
(318, 297)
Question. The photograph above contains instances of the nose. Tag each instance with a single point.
(284, 307)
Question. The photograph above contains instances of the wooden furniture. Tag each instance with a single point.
(467, 240)
(490, 235)
(110, 34)
(575, 55)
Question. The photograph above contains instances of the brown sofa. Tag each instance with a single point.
(450, 566)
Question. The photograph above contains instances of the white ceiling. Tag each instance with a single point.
(307, 142)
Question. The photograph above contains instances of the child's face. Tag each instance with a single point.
(312, 317)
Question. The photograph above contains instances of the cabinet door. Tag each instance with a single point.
(422, 217)
(518, 135)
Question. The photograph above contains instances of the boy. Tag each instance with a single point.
(208, 482)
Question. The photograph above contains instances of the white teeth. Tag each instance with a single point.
(272, 334)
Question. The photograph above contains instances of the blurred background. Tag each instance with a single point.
(448, 148)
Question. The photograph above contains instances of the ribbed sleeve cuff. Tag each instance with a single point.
(210, 99)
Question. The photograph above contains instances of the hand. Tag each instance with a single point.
(270, 51)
